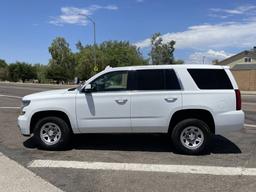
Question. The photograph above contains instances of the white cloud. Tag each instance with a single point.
(246, 10)
(111, 7)
(74, 15)
(219, 15)
(236, 11)
(207, 56)
(210, 40)
(215, 36)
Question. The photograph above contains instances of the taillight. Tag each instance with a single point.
(238, 99)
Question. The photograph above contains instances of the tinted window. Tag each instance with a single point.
(114, 81)
(158, 79)
(171, 80)
(210, 78)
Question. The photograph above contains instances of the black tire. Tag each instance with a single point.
(185, 124)
(64, 138)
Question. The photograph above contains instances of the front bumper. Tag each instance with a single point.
(229, 121)
(23, 124)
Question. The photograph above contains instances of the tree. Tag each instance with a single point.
(120, 53)
(3, 70)
(79, 45)
(3, 64)
(179, 61)
(112, 53)
(62, 63)
(84, 61)
(41, 71)
(162, 53)
(21, 71)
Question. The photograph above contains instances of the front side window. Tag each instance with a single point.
(113, 81)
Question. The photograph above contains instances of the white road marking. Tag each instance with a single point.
(250, 125)
(186, 169)
(9, 107)
(11, 96)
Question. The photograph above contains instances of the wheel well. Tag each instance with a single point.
(43, 114)
(201, 114)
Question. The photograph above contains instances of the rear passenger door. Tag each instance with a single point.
(156, 95)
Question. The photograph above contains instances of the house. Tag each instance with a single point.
(243, 67)
(243, 60)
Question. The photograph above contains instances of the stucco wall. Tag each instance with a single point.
(246, 79)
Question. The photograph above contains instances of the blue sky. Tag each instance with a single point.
(214, 29)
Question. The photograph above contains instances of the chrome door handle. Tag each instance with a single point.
(170, 99)
(121, 101)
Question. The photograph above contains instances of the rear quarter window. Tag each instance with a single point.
(211, 78)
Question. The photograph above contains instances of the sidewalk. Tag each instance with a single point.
(14, 177)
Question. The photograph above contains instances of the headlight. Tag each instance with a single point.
(24, 104)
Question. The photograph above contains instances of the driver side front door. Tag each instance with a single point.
(106, 109)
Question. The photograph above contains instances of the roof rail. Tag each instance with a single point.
(226, 67)
(107, 67)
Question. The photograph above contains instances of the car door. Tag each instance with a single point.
(106, 108)
(157, 95)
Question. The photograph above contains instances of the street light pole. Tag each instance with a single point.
(94, 39)
(203, 59)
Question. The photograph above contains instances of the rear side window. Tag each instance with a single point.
(211, 78)
(156, 79)
(171, 80)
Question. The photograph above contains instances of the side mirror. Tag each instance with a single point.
(88, 88)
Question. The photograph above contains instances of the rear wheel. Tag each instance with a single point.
(52, 133)
(191, 136)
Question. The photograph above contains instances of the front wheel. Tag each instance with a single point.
(191, 136)
(52, 133)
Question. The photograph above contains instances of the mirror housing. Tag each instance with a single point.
(88, 88)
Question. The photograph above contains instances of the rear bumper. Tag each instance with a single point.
(23, 125)
(229, 121)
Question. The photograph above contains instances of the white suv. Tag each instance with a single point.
(189, 102)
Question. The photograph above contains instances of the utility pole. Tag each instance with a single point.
(203, 59)
(94, 40)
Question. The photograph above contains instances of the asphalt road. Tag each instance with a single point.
(237, 149)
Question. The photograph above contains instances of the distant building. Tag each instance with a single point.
(243, 60)
(243, 67)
